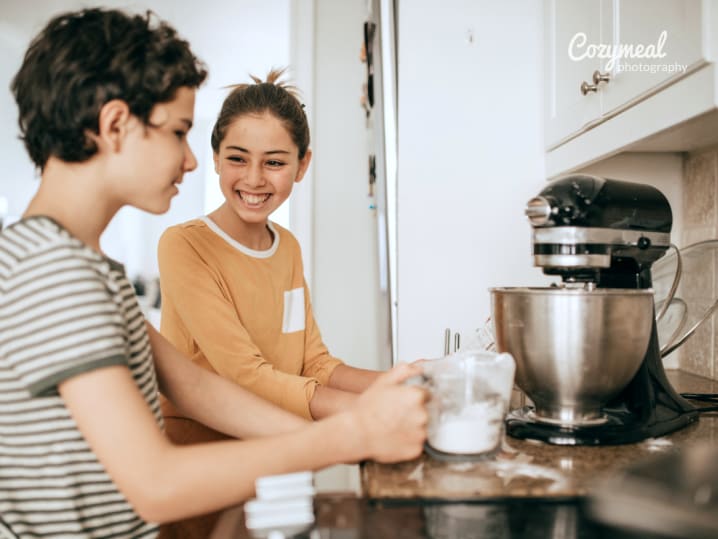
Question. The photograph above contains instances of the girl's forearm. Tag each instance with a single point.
(328, 401)
(352, 379)
(200, 394)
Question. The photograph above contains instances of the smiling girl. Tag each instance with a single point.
(234, 296)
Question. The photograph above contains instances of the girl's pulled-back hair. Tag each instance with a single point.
(80, 61)
(274, 96)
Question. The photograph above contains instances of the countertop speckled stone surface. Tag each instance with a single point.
(528, 469)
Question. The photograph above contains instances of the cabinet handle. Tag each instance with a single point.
(586, 88)
(599, 77)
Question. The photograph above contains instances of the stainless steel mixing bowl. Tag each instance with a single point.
(575, 348)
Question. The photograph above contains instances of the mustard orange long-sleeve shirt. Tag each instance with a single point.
(242, 313)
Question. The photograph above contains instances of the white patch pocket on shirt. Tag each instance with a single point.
(293, 311)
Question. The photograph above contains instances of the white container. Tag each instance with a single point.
(294, 485)
(284, 505)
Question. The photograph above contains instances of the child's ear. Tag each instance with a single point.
(112, 123)
(303, 166)
(215, 157)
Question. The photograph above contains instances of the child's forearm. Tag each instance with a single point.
(205, 485)
(229, 408)
(164, 482)
(214, 401)
(352, 379)
(328, 401)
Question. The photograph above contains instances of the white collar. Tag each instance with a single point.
(243, 248)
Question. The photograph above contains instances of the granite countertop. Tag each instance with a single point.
(530, 469)
(530, 490)
(344, 516)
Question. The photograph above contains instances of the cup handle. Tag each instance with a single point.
(420, 380)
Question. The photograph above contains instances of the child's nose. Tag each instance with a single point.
(255, 176)
(190, 161)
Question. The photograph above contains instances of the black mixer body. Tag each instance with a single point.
(607, 233)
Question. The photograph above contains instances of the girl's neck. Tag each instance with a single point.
(256, 236)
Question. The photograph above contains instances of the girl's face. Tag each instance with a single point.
(258, 164)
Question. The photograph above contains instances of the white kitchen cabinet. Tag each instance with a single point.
(673, 25)
(567, 110)
(662, 42)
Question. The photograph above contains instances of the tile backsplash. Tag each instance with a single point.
(699, 284)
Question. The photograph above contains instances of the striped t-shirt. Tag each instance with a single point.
(64, 310)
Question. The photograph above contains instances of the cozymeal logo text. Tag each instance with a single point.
(579, 49)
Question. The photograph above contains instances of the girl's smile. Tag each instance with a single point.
(253, 200)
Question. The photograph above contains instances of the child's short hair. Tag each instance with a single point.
(274, 96)
(82, 60)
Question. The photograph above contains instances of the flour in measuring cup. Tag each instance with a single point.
(476, 429)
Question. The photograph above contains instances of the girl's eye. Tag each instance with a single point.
(274, 163)
(235, 159)
(181, 134)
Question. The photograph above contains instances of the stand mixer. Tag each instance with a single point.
(601, 236)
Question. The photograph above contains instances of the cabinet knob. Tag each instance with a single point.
(587, 88)
(599, 77)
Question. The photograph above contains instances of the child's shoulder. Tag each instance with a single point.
(33, 237)
(191, 228)
(285, 236)
(39, 245)
(191, 236)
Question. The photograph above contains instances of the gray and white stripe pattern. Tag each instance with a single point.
(64, 310)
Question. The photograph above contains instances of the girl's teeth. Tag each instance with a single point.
(253, 199)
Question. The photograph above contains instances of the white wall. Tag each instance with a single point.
(234, 38)
(470, 156)
(345, 288)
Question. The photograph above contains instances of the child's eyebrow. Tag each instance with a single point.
(188, 122)
(270, 152)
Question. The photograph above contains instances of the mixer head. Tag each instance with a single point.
(592, 229)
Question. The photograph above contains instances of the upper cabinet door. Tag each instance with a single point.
(570, 25)
(658, 42)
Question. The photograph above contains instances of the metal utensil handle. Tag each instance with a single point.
(674, 286)
(690, 332)
(679, 329)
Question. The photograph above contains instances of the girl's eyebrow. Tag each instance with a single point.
(188, 122)
(270, 152)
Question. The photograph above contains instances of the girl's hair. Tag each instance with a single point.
(80, 61)
(274, 96)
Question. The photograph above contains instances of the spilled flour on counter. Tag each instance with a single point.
(657, 444)
(461, 466)
(417, 474)
(510, 470)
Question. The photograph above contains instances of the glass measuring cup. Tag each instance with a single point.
(470, 394)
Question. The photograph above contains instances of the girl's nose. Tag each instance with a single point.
(190, 161)
(255, 176)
